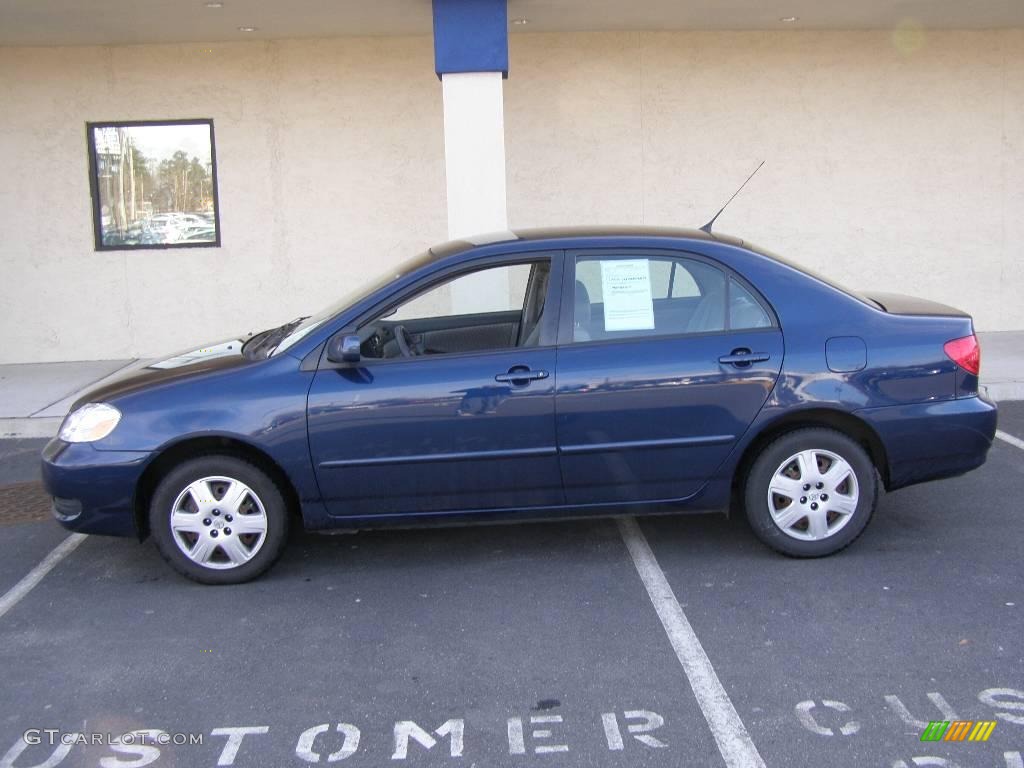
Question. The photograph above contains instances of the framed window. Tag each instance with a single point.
(154, 184)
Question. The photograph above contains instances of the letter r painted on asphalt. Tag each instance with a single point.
(639, 731)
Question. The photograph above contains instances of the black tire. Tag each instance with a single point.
(267, 494)
(763, 471)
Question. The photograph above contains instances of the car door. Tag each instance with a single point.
(466, 424)
(664, 360)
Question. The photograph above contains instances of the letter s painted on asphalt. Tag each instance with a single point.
(993, 696)
(144, 754)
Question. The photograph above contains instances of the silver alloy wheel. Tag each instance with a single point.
(813, 495)
(218, 522)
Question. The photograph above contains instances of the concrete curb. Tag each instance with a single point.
(41, 426)
(1005, 390)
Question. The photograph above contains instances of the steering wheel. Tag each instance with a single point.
(405, 343)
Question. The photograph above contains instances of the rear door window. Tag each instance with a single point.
(625, 296)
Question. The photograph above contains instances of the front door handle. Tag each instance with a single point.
(743, 357)
(520, 374)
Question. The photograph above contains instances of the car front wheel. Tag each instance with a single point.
(219, 520)
(811, 492)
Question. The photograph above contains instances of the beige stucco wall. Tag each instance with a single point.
(895, 164)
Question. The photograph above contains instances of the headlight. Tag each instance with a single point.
(93, 421)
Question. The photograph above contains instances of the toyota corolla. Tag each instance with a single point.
(531, 375)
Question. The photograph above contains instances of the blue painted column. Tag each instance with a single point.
(471, 59)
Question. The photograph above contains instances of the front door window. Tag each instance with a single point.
(481, 311)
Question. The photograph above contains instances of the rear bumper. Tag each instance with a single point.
(927, 441)
(93, 491)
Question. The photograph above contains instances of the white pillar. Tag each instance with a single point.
(474, 154)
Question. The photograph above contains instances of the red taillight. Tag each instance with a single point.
(965, 352)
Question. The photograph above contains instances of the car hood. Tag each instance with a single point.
(219, 356)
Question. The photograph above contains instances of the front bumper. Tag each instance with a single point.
(93, 490)
(928, 441)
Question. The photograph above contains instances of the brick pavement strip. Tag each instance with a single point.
(23, 503)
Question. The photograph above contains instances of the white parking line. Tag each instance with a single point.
(730, 734)
(1010, 439)
(13, 596)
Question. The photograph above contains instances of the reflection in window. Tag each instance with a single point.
(154, 184)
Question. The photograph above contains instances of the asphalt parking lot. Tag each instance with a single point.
(531, 645)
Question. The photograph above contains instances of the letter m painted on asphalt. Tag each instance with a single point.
(407, 729)
(935, 730)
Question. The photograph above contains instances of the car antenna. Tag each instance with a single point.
(707, 227)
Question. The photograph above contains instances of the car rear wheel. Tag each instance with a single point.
(811, 492)
(219, 520)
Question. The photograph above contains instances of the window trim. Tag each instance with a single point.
(566, 318)
(549, 325)
(94, 192)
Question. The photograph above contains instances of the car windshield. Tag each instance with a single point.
(355, 294)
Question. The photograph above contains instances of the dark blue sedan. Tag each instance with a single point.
(532, 375)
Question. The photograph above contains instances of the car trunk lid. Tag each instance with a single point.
(959, 342)
(899, 304)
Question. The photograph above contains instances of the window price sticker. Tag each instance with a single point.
(626, 289)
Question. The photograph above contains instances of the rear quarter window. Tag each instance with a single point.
(745, 312)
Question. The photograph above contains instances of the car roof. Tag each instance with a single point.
(453, 247)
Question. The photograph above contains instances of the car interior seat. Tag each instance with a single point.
(581, 314)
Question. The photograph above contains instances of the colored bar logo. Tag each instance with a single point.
(958, 730)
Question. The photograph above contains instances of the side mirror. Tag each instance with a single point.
(344, 349)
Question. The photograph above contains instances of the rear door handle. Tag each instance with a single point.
(741, 358)
(520, 374)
